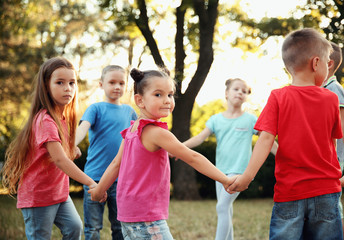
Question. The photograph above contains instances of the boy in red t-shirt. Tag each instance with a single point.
(306, 119)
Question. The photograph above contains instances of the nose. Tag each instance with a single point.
(68, 88)
(167, 100)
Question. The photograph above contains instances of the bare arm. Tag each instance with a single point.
(81, 131)
(109, 177)
(259, 155)
(166, 140)
(274, 146)
(59, 157)
(198, 139)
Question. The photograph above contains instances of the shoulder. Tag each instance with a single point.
(44, 117)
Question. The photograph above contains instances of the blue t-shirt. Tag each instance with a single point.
(107, 121)
(234, 141)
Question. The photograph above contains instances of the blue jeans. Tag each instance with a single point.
(315, 218)
(93, 215)
(146, 230)
(39, 221)
(224, 209)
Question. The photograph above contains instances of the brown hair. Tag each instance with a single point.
(336, 56)
(17, 154)
(300, 46)
(141, 78)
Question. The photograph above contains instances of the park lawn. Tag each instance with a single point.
(188, 220)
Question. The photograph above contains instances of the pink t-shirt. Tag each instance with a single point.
(143, 189)
(306, 119)
(43, 183)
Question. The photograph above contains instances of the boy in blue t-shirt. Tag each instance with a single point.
(104, 121)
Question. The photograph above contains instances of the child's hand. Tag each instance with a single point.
(240, 184)
(172, 156)
(342, 181)
(77, 152)
(96, 195)
(230, 181)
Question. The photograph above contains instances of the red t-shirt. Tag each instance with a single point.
(306, 119)
(43, 183)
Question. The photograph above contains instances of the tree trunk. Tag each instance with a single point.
(183, 176)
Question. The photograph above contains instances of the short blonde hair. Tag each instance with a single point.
(301, 45)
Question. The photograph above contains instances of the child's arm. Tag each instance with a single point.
(198, 139)
(59, 157)
(260, 152)
(81, 131)
(109, 177)
(165, 139)
(274, 146)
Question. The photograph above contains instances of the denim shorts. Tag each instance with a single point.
(157, 230)
(315, 218)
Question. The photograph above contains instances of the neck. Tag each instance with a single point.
(116, 101)
(233, 111)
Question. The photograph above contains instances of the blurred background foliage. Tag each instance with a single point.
(32, 31)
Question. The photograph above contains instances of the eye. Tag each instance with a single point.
(171, 95)
(59, 82)
(158, 95)
(72, 83)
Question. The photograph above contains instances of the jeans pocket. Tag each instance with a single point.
(326, 206)
(286, 210)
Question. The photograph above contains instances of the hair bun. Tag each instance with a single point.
(137, 75)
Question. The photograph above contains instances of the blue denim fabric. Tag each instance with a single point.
(39, 221)
(315, 218)
(93, 215)
(158, 230)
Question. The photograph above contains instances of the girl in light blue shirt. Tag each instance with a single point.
(233, 129)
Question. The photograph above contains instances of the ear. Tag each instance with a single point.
(100, 84)
(315, 63)
(226, 94)
(139, 100)
(330, 64)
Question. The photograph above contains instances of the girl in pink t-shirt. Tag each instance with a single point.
(39, 160)
(142, 163)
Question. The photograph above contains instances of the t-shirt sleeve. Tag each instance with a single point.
(46, 130)
(90, 115)
(211, 123)
(268, 119)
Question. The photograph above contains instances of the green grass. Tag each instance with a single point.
(188, 220)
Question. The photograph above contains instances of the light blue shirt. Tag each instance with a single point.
(234, 141)
(107, 121)
(333, 85)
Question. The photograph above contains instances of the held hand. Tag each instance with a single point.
(229, 182)
(77, 152)
(240, 184)
(96, 195)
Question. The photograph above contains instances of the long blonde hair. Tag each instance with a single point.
(17, 155)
